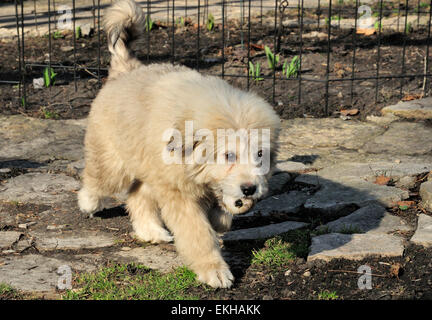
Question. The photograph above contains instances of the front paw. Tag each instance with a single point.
(216, 276)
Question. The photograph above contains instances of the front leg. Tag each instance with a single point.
(220, 220)
(195, 239)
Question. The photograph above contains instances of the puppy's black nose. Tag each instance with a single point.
(248, 189)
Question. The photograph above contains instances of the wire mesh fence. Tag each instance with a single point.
(306, 57)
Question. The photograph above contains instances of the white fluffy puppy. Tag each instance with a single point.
(137, 141)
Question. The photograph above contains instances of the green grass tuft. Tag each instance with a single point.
(327, 295)
(8, 293)
(133, 282)
(280, 251)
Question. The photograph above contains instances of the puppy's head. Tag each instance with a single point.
(241, 139)
(243, 165)
(228, 143)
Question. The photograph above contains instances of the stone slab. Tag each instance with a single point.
(35, 273)
(415, 109)
(402, 138)
(8, 238)
(289, 202)
(423, 234)
(371, 219)
(262, 232)
(426, 194)
(277, 181)
(41, 140)
(334, 196)
(320, 133)
(79, 240)
(41, 188)
(354, 246)
(151, 256)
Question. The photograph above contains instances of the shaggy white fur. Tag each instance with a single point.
(124, 149)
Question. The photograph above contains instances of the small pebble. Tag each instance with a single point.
(287, 273)
(53, 227)
(307, 274)
(26, 225)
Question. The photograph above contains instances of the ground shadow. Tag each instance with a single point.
(341, 200)
(109, 213)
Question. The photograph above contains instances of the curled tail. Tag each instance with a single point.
(123, 22)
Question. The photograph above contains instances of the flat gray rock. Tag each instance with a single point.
(371, 170)
(334, 196)
(383, 121)
(370, 219)
(39, 139)
(6, 219)
(41, 188)
(262, 232)
(290, 166)
(151, 256)
(86, 240)
(35, 273)
(415, 109)
(402, 138)
(354, 246)
(75, 168)
(289, 202)
(8, 238)
(426, 194)
(423, 234)
(319, 133)
(277, 181)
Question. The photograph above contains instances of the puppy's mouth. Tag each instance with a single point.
(237, 206)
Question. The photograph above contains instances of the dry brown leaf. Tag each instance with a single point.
(337, 66)
(396, 270)
(340, 73)
(382, 180)
(227, 51)
(257, 47)
(366, 32)
(410, 97)
(405, 203)
(349, 112)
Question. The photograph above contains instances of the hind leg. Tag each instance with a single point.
(145, 217)
(103, 176)
(91, 195)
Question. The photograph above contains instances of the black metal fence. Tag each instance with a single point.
(330, 50)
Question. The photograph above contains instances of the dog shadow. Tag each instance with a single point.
(110, 213)
(341, 199)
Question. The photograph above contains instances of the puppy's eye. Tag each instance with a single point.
(230, 156)
(259, 154)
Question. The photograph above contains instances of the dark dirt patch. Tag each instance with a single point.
(339, 276)
(63, 101)
(255, 281)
